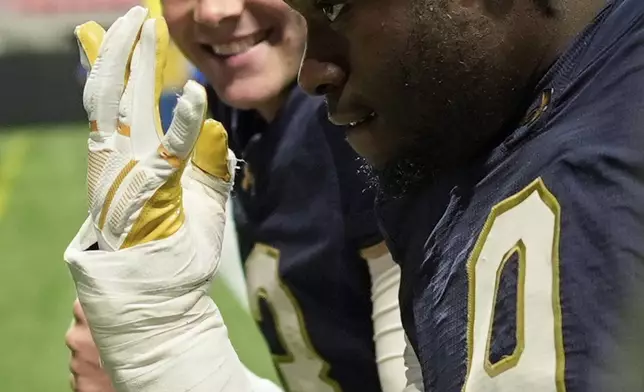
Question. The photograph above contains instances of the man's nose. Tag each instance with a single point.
(320, 77)
(321, 70)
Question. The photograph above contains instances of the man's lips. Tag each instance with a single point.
(351, 121)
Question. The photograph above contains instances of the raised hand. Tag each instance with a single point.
(156, 216)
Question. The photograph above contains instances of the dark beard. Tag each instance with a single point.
(460, 96)
(399, 177)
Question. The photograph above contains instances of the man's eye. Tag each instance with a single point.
(332, 11)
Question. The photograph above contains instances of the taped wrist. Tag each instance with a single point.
(151, 316)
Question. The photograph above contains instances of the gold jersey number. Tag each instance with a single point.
(302, 368)
(526, 224)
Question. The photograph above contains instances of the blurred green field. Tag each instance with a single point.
(42, 204)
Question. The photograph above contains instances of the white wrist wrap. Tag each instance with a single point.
(151, 315)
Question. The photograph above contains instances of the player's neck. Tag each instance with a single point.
(570, 21)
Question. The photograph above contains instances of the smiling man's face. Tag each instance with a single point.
(249, 50)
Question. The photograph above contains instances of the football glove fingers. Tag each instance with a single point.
(134, 175)
(89, 39)
(108, 74)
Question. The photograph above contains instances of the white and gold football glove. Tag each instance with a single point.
(134, 171)
(156, 215)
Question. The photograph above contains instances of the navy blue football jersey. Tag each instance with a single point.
(517, 272)
(303, 212)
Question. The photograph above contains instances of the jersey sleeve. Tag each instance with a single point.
(599, 185)
(601, 259)
(579, 263)
(553, 278)
(413, 374)
(388, 333)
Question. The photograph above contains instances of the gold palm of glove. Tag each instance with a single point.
(134, 170)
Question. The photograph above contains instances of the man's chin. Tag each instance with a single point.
(396, 178)
(363, 143)
(241, 102)
(246, 93)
